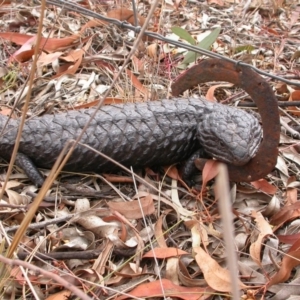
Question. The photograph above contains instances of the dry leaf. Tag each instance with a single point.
(294, 96)
(289, 261)
(154, 289)
(209, 172)
(47, 44)
(184, 275)
(17, 199)
(211, 91)
(159, 235)
(171, 270)
(264, 186)
(216, 277)
(134, 209)
(164, 253)
(136, 83)
(62, 295)
(265, 230)
(287, 213)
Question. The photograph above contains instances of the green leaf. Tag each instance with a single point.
(183, 34)
(206, 43)
(247, 48)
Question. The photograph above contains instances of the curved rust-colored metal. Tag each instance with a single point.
(261, 93)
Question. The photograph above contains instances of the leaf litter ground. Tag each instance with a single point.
(166, 241)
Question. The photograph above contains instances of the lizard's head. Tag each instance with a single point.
(230, 135)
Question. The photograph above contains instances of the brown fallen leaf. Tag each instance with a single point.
(288, 238)
(47, 44)
(265, 230)
(45, 59)
(209, 172)
(264, 186)
(25, 52)
(287, 213)
(121, 14)
(74, 58)
(217, 277)
(164, 253)
(158, 230)
(124, 14)
(107, 101)
(62, 295)
(185, 273)
(289, 261)
(173, 173)
(136, 83)
(132, 209)
(211, 91)
(294, 96)
(165, 288)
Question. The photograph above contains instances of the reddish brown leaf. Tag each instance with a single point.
(289, 261)
(172, 172)
(289, 238)
(5, 3)
(22, 56)
(264, 186)
(132, 209)
(107, 101)
(124, 14)
(158, 231)
(136, 83)
(281, 88)
(287, 213)
(47, 44)
(270, 30)
(25, 52)
(209, 172)
(294, 96)
(62, 295)
(17, 274)
(75, 57)
(295, 246)
(164, 253)
(154, 289)
(104, 65)
(6, 112)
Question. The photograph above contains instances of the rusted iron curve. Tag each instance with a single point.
(261, 93)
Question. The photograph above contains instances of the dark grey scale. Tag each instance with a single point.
(149, 134)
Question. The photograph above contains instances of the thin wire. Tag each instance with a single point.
(79, 9)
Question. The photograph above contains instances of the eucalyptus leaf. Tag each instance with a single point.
(206, 43)
(183, 34)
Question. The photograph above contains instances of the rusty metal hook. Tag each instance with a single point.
(261, 93)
